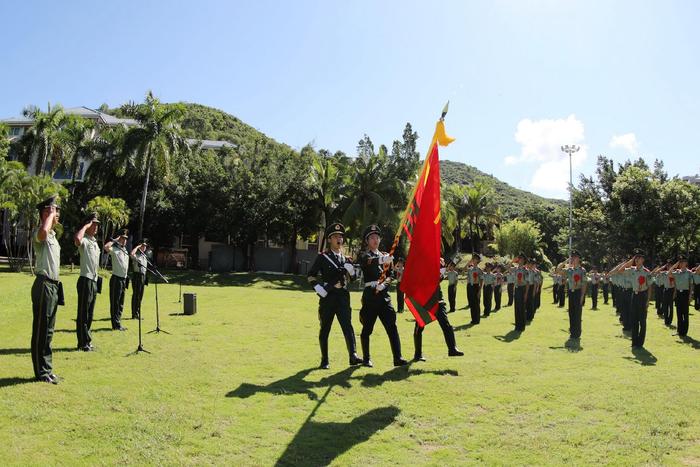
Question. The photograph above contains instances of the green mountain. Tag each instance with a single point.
(511, 200)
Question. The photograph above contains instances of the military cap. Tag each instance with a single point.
(371, 229)
(521, 255)
(143, 241)
(476, 256)
(122, 233)
(682, 258)
(639, 252)
(91, 217)
(48, 202)
(335, 228)
(575, 253)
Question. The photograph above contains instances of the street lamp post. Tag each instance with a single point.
(570, 150)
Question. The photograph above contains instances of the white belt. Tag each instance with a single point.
(371, 284)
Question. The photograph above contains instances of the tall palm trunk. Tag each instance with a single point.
(142, 208)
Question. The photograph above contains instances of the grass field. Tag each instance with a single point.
(237, 384)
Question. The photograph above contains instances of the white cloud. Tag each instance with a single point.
(540, 145)
(628, 142)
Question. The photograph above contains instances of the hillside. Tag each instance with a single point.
(512, 200)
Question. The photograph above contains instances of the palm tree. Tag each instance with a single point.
(154, 141)
(481, 210)
(327, 185)
(78, 143)
(456, 198)
(41, 142)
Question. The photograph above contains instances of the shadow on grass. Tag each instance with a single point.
(91, 330)
(319, 443)
(28, 350)
(694, 343)
(642, 356)
(400, 373)
(510, 337)
(462, 327)
(295, 384)
(239, 279)
(5, 382)
(571, 345)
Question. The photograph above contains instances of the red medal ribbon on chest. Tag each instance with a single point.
(641, 280)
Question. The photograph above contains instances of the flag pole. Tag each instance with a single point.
(397, 236)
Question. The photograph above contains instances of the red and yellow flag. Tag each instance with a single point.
(421, 278)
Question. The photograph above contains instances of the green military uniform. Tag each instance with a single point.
(520, 280)
(118, 281)
(139, 268)
(335, 270)
(510, 286)
(45, 293)
(489, 282)
(376, 303)
(452, 278)
(498, 290)
(575, 281)
(538, 291)
(684, 281)
(696, 281)
(595, 281)
(639, 279)
(87, 288)
(606, 287)
(474, 278)
(669, 292)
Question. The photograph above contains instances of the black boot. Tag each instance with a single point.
(324, 354)
(395, 343)
(352, 352)
(364, 340)
(418, 346)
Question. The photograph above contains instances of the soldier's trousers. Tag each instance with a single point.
(530, 304)
(497, 293)
(488, 298)
(625, 300)
(668, 306)
(399, 298)
(117, 290)
(682, 311)
(44, 307)
(336, 303)
(138, 284)
(562, 296)
(452, 296)
(606, 292)
(659, 299)
(697, 296)
(639, 317)
(555, 289)
(474, 305)
(87, 295)
(614, 298)
(575, 311)
(594, 296)
(538, 298)
(447, 332)
(519, 308)
(509, 289)
(378, 305)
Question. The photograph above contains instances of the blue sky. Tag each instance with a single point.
(619, 78)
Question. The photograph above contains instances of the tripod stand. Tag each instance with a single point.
(153, 270)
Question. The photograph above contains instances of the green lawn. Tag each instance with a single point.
(236, 384)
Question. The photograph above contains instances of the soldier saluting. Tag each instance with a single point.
(683, 280)
(335, 271)
(474, 282)
(47, 292)
(639, 279)
(576, 282)
(139, 267)
(88, 281)
(118, 282)
(376, 302)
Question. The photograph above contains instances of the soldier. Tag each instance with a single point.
(576, 283)
(562, 288)
(474, 283)
(47, 290)
(623, 295)
(606, 287)
(538, 285)
(683, 279)
(520, 292)
(336, 271)
(139, 277)
(531, 291)
(447, 331)
(669, 293)
(398, 275)
(89, 282)
(595, 280)
(638, 278)
(658, 282)
(376, 302)
(510, 287)
(555, 286)
(119, 280)
(452, 278)
(498, 287)
(696, 280)
(488, 281)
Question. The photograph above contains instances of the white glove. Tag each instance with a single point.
(442, 271)
(386, 259)
(349, 268)
(381, 286)
(320, 290)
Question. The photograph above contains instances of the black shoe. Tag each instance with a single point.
(367, 362)
(47, 379)
(455, 353)
(400, 362)
(418, 358)
(324, 365)
(355, 360)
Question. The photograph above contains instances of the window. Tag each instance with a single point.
(16, 131)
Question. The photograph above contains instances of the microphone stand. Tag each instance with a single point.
(153, 270)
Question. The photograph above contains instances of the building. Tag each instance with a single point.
(694, 179)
